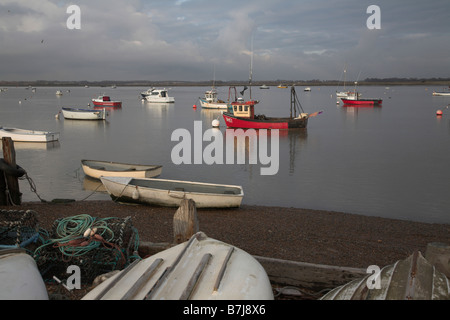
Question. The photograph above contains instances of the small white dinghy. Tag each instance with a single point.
(84, 114)
(169, 193)
(200, 269)
(97, 168)
(25, 135)
(19, 277)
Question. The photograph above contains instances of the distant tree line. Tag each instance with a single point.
(218, 83)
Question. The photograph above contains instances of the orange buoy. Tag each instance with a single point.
(439, 113)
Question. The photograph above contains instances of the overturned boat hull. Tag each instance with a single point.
(200, 269)
(19, 277)
(411, 279)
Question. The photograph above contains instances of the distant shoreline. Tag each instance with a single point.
(146, 83)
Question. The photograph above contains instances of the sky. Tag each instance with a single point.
(202, 40)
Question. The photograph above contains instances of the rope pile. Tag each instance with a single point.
(96, 245)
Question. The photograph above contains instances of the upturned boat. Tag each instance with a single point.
(20, 277)
(169, 193)
(413, 278)
(199, 269)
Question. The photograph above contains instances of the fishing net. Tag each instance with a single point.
(18, 228)
(95, 245)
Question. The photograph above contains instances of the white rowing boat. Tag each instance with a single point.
(200, 269)
(169, 193)
(97, 168)
(25, 135)
(84, 114)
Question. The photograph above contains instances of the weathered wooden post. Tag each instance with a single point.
(12, 183)
(3, 201)
(185, 221)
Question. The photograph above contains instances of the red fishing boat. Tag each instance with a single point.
(242, 115)
(105, 101)
(366, 102)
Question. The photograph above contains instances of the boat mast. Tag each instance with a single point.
(295, 103)
(251, 70)
(214, 76)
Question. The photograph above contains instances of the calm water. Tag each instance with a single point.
(391, 161)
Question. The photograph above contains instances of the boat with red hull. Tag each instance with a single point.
(105, 101)
(243, 116)
(365, 102)
(263, 122)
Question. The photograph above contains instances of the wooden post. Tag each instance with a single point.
(185, 221)
(3, 201)
(9, 155)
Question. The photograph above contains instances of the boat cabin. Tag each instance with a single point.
(160, 93)
(211, 96)
(244, 109)
(239, 107)
(106, 98)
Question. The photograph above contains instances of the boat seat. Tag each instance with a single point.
(98, 167)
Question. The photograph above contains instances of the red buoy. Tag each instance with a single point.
(439, 113)
(194, 106)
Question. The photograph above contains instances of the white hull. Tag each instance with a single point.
(413, 278)
(160, 99)
(84, 114)
(24, 135)
(200, 269)
(441, 93)
(19, 277)
(96, 169)
(169, 193)
(213, 105)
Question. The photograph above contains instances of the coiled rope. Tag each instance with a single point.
(70, 235)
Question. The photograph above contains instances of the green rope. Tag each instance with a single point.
(73, 228)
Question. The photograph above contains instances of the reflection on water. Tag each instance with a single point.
(36, 145)
(91, 184)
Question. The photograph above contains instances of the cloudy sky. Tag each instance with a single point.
(194, 40)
